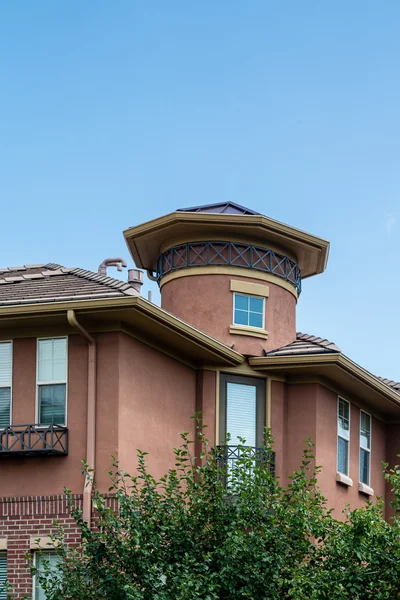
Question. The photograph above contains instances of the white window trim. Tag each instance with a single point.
(262, 328)
(37, 552)
(368, 484)
(343, 438)
(3, 552)
(56, 337)
(11, 380)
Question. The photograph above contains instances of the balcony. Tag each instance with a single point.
(33, 440)
(227, 456)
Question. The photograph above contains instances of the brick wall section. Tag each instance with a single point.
(32, 516)
(22, 518)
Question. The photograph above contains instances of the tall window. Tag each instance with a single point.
(365, 447)
(248, 310)
(343, 436)
(42, 558)
(242, 409)
(5, 383)
(52, 380)
(3, 574)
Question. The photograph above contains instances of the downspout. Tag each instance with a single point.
(91, 415)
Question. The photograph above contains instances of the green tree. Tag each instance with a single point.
(212, 532)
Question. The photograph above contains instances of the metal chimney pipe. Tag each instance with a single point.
(135, 278)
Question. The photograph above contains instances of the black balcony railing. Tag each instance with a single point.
(33, 440)
(228, 456)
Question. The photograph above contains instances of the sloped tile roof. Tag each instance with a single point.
(394, 385)
(305, 344)
(31, 284)
(222, 207)
(311, 344)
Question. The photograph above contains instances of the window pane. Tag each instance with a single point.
(365, 430)
(344, 419)
(364, 466)
(342, 458)
(41, 558)
(5, 363)
(256, 304)
(344, 411)
(241, 302)
(3, 574)
(241, 317)
(5, 403)
(256, 320)
(344, 428)
(52, 404)
(241, 413)
(52, 360)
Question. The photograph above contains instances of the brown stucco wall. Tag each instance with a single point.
(206, 302)
(46, 475)
(157, 401)
(338, 494)
(301, 422)
(279, 427)
(301, 411)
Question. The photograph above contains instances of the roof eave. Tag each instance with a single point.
(103, 308)
(332, 361)
(285, 235)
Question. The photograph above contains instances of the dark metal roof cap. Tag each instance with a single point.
(222, 207)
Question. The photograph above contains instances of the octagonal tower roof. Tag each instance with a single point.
(224, 221)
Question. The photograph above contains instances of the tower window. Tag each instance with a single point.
(248, 310)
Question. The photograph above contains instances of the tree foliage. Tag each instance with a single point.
(202, 532)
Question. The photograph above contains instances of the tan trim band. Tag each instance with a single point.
(238, 271)
(42, 543)
(252, 289)
(249, 331)
(3, 543)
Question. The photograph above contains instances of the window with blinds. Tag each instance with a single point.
(3, 575)
(42, 558)
(52, 380)
(242, 410)
(5, 383)
(365, 447)
(343, 443)
(241, 413)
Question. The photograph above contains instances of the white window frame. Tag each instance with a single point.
(4, 553)
(343, 438)
(36, 553)
(367, 449)
(11, 380)
(56, 337)
(248, 312)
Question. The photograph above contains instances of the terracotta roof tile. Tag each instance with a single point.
(305, 344)
(51, 282)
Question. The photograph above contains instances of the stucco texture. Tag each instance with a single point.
(206, 302)
(302, 411)
(157, 400)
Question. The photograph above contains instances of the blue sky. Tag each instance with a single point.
(113, 113)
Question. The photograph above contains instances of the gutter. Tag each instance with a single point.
(91, 415)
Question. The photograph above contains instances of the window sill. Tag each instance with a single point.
(363, 488)
(247, 330)
(344, 479)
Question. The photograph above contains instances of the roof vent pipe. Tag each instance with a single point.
(111, 262)
(135, 278)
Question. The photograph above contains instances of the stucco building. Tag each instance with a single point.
(90, 369)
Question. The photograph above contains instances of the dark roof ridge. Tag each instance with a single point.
(224, 206)
(122, 286)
